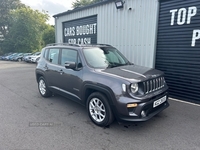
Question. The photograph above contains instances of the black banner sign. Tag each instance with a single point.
(80, 31)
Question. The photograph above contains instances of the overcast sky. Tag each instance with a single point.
(52, 6)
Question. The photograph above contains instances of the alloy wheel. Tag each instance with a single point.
(97, 110)
(42, 87)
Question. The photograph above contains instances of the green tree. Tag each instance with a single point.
(49, 35)
(82, 3)
(26, 30)
(6, 6)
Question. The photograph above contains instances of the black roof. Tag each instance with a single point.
(83, 8)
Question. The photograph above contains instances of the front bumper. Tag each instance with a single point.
(33, 60)
(143, 112)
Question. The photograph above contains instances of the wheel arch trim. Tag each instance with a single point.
(98, 88)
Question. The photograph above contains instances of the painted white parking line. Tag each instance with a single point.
(184, 102)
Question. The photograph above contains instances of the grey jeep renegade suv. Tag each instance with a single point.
(102, 79)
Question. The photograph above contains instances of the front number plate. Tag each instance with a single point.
(159, 101)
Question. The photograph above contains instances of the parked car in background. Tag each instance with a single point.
(32, 58)
(26, 55)
(5, 55)
(10, 56)
(26, 58)
(1, 57)
(18, 57)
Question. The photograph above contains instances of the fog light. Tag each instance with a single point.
(143, 114)
(131, 105)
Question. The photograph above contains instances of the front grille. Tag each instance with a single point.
(153, 85)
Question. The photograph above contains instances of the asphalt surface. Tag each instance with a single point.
(30, 122)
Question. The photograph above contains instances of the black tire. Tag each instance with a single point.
(101, 114)
(43, 89)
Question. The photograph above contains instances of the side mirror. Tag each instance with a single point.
(131, 63)
(70, 65)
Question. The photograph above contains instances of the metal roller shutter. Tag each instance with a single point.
(178, 47)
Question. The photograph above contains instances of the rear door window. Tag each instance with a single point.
(53, 56)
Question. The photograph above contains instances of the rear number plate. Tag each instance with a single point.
(159, 101)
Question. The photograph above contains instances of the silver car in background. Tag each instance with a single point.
(33, 58)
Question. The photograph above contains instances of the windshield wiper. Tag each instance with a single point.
(112, 65)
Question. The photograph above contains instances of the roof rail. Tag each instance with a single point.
(67, 44)
(77, 45)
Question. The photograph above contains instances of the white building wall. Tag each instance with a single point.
(133, 31)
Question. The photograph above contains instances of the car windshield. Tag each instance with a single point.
(26, 54)
(36, 54)
(104, 57)
(15, 54)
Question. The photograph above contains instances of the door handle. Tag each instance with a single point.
(45, 67)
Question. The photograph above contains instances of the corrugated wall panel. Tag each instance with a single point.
(175, 54)
(133, 31)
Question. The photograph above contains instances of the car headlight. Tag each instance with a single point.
(134, 87)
